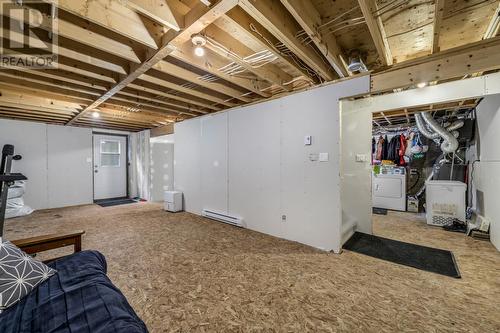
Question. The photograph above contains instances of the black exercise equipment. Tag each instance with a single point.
(7, 179)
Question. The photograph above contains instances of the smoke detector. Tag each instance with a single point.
(199, 42)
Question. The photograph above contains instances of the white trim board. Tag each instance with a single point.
(447, 92)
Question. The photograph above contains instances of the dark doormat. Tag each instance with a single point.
(416, 256)
(114, 202)
(379, 211)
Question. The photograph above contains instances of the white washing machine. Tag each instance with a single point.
(389, 188)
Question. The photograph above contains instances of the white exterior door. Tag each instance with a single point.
(110, 166)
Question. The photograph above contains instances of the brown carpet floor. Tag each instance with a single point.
(183, 273)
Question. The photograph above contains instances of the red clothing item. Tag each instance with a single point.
(402, 150)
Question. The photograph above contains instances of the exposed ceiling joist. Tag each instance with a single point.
(156, 10)
(438, 21)
(493, 28)
(180, 72)
(224, 45)
(263, 37)
(213, 63)
(449, 64)
(112, 15)
(376, 27)
(272, 15)
(197, 19)
(79, 34)
(309, 19)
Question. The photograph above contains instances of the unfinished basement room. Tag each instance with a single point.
(252, 166)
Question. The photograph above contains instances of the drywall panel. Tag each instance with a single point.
(274, 182)
(310, 192)
(69, 157)
(30, 141)
(187, 161)
(487, 172)
(213, 162)
(254, 166)
(162, 166)
(356, 127)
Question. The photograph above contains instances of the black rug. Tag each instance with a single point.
(416, 256)
(114, 202)
(379, 211)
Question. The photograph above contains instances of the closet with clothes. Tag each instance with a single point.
(418, 162)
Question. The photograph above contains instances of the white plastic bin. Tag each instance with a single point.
(173, 201)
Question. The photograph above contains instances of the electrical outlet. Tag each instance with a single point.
(283, 218)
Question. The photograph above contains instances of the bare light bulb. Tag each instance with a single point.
(199, 51)
(95, 114)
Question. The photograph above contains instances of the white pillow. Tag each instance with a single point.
(19, 274)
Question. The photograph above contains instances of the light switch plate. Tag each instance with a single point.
(324, 157)
(361, 158)
(308, 140)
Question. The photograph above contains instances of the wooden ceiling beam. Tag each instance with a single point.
(180, 72)
(80, 35)
(438, 22)
(272, 15)
(43, 80)
(112, 15)
(195, 20)
(493, 28)
(226, 46)
(212, 64)
(376, 28)
(152, 106)
(167, 104)
(182, 101)
(15, 98)
(192, 92)
(46, 91)
(444, 65)
(157, 10)
(310, 19)
(262, 36)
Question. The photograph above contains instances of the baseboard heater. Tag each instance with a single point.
(234, 220)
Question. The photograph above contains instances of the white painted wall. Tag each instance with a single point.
(487, 171)
(252, 162)
(356, 176)
(69, 168)
(57, 161)
(162, 166)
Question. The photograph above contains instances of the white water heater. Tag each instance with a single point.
(445, 201)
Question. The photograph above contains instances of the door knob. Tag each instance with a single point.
(96, 171)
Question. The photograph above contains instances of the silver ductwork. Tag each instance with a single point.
(450, 143)
(422, 127)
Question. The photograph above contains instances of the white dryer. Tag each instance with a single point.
(389, 188)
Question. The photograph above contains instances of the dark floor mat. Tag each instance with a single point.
(379, 211)
(416, 256)
(114, 202)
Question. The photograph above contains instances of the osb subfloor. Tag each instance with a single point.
(183, 273)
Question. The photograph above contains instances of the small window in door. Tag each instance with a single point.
(110, 153)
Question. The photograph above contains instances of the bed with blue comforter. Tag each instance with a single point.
(79, 298)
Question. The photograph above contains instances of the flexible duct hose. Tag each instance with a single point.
(423, 128)
(450, 143)
(455, 125)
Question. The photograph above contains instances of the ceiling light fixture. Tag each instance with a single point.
(95, 114)
(199, 42)
(422, 85)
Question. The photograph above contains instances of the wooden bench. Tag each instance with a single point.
(50, 242)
